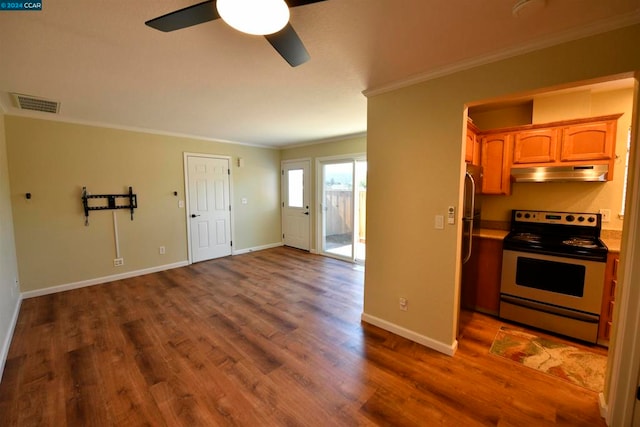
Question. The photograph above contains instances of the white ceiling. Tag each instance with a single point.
(105, 67)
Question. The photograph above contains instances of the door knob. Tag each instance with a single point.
(306, 213)
(194, 215)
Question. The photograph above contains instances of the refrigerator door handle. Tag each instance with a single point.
(470, 219)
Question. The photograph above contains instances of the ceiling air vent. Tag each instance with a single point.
(28, 102)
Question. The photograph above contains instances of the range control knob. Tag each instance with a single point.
(570, 218)
(580, 219)
(518, 214)
(527, 215)
(591, 219)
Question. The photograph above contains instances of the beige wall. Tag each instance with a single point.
(415, 157)
(577, 197)
(8, 263)
(347, 146)
(54, 160)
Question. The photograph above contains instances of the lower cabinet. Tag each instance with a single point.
(481, 276)
(608, 298)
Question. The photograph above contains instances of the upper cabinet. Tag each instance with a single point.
(589, 141)
(495, 149)
(578, 142)
(472, 148)
(535, 146)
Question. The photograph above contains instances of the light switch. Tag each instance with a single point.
(181, 203)
(451, 215)
(244, 201)
(439, 222)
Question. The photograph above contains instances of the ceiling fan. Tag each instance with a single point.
(284, 40)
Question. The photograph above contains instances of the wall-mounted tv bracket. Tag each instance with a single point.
(110, 200)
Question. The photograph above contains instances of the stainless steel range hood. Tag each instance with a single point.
(590, 173)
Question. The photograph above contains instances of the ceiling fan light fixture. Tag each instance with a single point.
(257, 17)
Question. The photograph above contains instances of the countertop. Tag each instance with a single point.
(490, 233)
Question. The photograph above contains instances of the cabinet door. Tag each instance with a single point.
(472, 147)
(535, 146)
(589, 141)
(495, 150)
(481, 276)
(608, 298)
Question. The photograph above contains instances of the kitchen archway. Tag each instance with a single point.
(602, 95)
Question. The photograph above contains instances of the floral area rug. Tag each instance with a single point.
(572, 364)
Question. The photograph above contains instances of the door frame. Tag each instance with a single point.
(352, 157)
(187, 213)
(309, 195)
(623, 367)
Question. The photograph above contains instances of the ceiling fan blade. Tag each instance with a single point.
(295, 3)
(187, 17)
(289, 45)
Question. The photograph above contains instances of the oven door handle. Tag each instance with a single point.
(472, 209)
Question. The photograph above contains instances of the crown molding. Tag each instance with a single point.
(564, 37)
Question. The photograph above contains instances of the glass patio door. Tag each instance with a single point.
(343, 208)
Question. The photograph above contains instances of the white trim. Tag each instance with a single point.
(185, 157)
(604, 408)
(7, 340)
(357, 135)
(257, 248)
(564, 37)
(100, 280)
(624, 369)
(448, 349)
(47, 116)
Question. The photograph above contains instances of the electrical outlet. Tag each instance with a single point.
(606, 215)
(404, 304)
(117, 262)
(162, 250)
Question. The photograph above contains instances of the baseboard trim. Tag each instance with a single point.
(604, 408)
(7, 340)
(438, 346)
(257, 248)
(100, 280)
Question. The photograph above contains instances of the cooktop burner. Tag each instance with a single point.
(563, 234)
(527, 237)
(581, 242)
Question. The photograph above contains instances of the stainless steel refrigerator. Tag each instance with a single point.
(470, 209)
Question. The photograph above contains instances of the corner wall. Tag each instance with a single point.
(54, 160)
(414, 152)
(9, 292)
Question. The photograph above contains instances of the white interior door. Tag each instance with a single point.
(295, 204)
(209, 212)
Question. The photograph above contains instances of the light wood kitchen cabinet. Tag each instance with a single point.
(608, 298)
(588, 141)
(578, 142)
(495, 151)
(472, 147)
(536, 146)
(481, 276)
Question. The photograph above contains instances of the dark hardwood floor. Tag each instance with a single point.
(266, 338)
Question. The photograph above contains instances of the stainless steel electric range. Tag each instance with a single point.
(553, 266)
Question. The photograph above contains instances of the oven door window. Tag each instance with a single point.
(559, 277)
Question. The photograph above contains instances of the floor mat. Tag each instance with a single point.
(572, 364)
